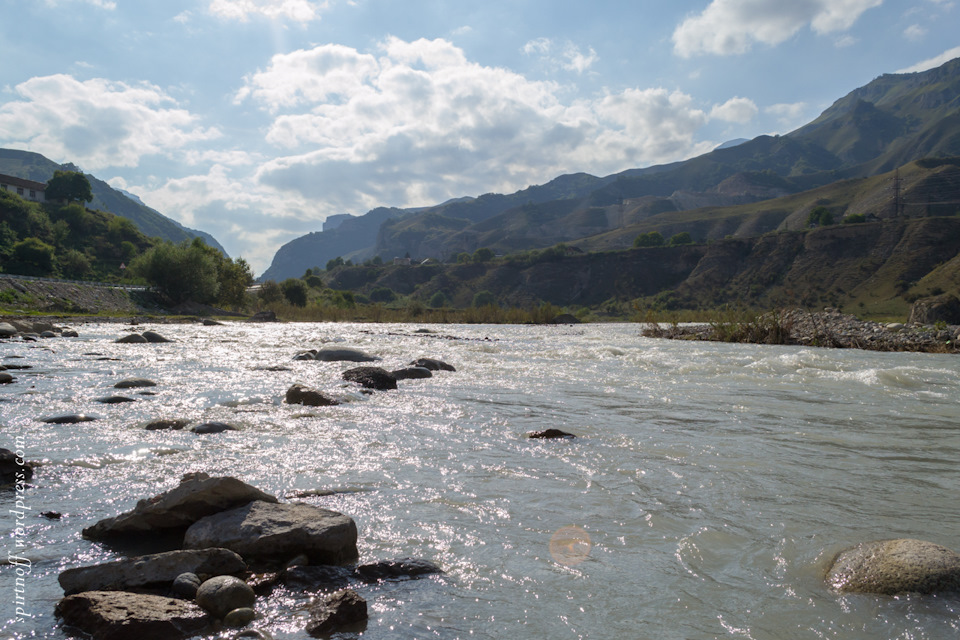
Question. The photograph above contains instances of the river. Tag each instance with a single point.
(708, 487)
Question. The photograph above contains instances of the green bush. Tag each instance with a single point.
(854, 218)
(651, 239)
(438, 300)
(382, 294)
(295, 291)
(681, 238)
(484, 298)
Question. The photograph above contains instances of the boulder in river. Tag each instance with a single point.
(7, 330)
(371, 378)
(131, 338)
(889, 567)
(343, 354)
(173, 424)
(299, 394)
(119, 615)
(274, 533)
(70, 418)
(315, 578)
(6, 378)
(134, 383)
(433, 364)
(339, 610)
(11, 470)
(412, 373)
(197, 496)
(115, 400)
(213, 427)
(155, 338)
(155, 569)
(222, 594)
(263, 316)
(549, 434)
(398, 569)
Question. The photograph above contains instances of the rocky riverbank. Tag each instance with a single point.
(829, 328)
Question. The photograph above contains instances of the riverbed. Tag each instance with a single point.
(707, 489)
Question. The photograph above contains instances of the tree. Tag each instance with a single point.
(382, 294)
(651, 239)
(438, 300)
(33, 257)
(483, 299)
(854, 218)
(463, 258)
(234, 277)
(182, 272)
(680, 238)
(270, 293)
(820, 217)
(334, 263)
(483, 254)
(295, 291)
(69, 186)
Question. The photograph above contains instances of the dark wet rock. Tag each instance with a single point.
(273, 368)
(158, 568)
(17, 367)
(185, 585)
(7, 330)
(943, 308)
(115, 400)
(272, 532)
(118, 615)
(889, 567)
(316, 577)
(6, 378)
(565, 318)
(253, 634)
(263, 583)
(51, 515)
(134, 383)
(209, 322)
(172, 425)
(299, 394)
(412, 373)
(310, 354)
(49, 334)
(334, 354)
(239, 617)
(155, 338)
(223, 594)
(69, 333)
(72, 418)
(396, 569)
(213, 427)
(371, 378)
(337, 611)
(548, 434)
(131, 338)
(263, 316)
(433, 364)
(11, 470)
(197, 496)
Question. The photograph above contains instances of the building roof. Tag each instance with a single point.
(20, 182)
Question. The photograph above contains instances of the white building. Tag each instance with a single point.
(27, 189)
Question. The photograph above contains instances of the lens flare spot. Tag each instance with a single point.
(570, 546)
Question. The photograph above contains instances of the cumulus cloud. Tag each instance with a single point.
(419, 123)
(242, 10)
(567, 56)
(729, 27)
(739, 110)
(932, 63)
(97, 123)
(914, 32)
(789, 115)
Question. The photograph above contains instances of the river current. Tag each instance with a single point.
(707, 489)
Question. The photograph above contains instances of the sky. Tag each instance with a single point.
(254, 120)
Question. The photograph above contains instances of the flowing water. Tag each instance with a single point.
(708, 487)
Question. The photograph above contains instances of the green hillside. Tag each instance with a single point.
(33, 166)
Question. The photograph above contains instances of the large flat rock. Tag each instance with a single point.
(118, 615)
(197, 496)
(889, 567)
(157, 568)
(270, 532)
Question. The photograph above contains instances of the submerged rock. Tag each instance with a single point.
(315, 578)
(131, 338)
(115, 400)
(213, 427)
(134, 383)
(263, 316)
(340, 609)
(412, 373)
(154, 337)
(548, 434)
(72, 418)
(371, 378)
(332, 354)
(274, 533)
(239, 617)
(433, 364)
(889, 567)
(197, 496)
(171, 424)
(299, 394)
(396, 569)
(154, 569)
(223, 594)
(12, 471)
(118, 615)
